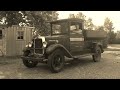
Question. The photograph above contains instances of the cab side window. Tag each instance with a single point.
(75, 28)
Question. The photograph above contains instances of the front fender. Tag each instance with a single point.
(53, 47)
(25, 49)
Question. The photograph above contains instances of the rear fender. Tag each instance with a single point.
(94, 44)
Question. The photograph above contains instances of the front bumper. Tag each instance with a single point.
(39, 58)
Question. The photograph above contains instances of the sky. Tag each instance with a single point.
(98, 17)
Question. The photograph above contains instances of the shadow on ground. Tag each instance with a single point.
(43, 68)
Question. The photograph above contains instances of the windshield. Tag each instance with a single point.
(59, 28)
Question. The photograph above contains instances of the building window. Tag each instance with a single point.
(0, 34)
(20, 35)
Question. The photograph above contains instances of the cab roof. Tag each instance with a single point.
(67, 20)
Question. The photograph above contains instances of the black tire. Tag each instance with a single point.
(56, 61)
(97, 55)
(30, 63)
(26, 53)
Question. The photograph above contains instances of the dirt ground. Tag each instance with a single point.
(84, 68)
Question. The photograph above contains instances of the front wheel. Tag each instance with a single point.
(56, 61)
(97, 55)
(29, 63)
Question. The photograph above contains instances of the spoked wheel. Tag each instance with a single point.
(56, 61)
(29, 63)
(97, 55)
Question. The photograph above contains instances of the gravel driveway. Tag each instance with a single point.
(84, 68)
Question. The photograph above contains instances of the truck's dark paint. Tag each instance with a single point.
(67, 41)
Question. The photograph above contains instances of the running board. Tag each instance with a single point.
(79, 56)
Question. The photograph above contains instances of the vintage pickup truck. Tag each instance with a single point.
(68, 38)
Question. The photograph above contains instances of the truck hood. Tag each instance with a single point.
(51, 39)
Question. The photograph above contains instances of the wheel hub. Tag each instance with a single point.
(57, 62)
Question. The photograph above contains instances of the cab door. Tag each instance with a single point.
(76, 38)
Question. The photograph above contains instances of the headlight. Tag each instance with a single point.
(44, 44)
(26, 46)
(30, 45)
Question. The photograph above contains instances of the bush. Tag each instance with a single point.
(105, 43)
(116, 41)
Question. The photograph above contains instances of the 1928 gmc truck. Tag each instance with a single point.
(68, 39)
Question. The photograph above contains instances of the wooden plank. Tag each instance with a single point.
(0, 42)
(4, 40)
(19, 43)
(10, 45)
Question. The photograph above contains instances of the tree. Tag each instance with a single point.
(108, 25)
(89, 25)
(11, 17)
(54, 15)
(36, 19)
(112, 37)
(71, 16)
(80, 15)
(100, 28)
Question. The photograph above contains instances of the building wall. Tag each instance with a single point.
(10, 41)
(9, 44)
(13, 45)
(20, 44)
(3, 42)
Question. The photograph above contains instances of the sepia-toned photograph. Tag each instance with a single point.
(59, 44)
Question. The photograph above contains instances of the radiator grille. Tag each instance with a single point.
(37, 45)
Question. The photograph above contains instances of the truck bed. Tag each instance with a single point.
(94, 34)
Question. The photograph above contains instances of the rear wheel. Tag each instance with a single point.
(97, 55)
(56, 61)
